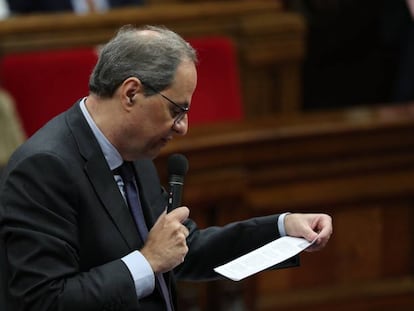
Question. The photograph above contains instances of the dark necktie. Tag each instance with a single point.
(126, 172)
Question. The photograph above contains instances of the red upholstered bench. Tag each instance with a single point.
(45, 83)
(218, 94)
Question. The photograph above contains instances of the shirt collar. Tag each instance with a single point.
(112, 156)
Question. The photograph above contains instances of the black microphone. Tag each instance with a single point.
(177, 168)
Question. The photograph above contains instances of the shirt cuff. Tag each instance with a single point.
(281, 224)
(141, 273)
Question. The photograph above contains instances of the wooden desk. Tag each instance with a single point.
(270, 41)
(279, 150)
(357, 165)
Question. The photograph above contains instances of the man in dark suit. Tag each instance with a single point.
(70, 241)
(32, 6)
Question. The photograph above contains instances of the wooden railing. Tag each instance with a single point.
(269, 41)
(357, 165)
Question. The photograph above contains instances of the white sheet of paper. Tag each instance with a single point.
(262, 258)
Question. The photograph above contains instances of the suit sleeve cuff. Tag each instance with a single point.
(141, 273)
(281, 224)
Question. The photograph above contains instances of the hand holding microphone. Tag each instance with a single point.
(166, 245)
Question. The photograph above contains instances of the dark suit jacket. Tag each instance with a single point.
(65, 226)
(30, 6)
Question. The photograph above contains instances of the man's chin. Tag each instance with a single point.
(156, 149)
(153, 153)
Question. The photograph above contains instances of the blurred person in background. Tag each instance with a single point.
(4, 9)
(77, 6)
(11, 132)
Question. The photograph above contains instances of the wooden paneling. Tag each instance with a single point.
(357, 165)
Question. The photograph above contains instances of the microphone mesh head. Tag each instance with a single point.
(177, 164)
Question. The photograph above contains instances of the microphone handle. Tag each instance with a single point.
(176, 183)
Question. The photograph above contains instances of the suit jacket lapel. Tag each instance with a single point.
(102, 178)
(99, 175)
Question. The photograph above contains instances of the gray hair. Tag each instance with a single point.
(151, 58)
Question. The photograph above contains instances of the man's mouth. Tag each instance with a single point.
(166, 140)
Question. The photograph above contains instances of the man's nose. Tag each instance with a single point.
(181, 127)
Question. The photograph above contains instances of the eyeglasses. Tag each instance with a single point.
(178, 112)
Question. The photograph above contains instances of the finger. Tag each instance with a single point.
(320, 243)
(324, 234)
(161, 217)
(180, 213)
(185, 231)
(309, 234)
(325, 228)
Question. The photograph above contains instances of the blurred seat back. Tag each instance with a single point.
(44, 84)
(218, 95)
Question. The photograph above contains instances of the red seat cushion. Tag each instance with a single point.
(218, 95)
(44, 84)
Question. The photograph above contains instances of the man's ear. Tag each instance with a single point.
(131, 97)
(130, 88)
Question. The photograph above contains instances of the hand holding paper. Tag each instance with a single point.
(311, 227)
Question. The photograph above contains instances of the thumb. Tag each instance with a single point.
(309, 234)
(161, 217)
(180, 213)
(300, 225)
